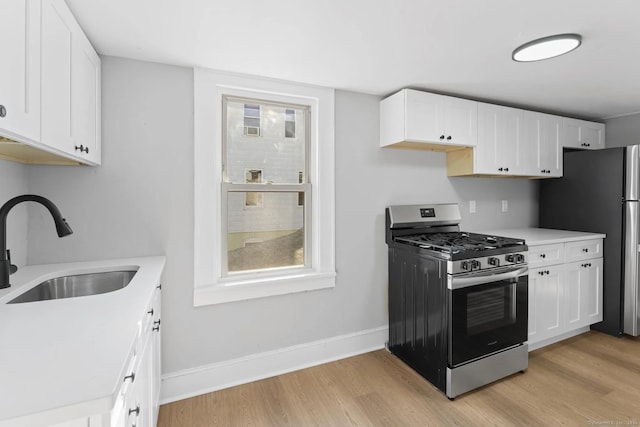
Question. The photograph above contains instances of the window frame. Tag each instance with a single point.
(210, 284)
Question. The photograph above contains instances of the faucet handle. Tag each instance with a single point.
(12, 268)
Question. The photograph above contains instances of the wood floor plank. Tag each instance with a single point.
(590, 379)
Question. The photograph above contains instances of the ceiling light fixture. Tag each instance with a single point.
(547, 47)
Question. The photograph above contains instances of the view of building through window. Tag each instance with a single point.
(253, 198)
(265, 173)
(251, 120)
(289, 123)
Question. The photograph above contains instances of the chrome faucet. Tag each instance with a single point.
(63, 229)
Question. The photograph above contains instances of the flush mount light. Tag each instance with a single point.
(547, 47)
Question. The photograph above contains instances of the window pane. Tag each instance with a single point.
(269, 237)
(290, 115)
(252, 121)
(290, 129)
(279, 156)
(252, 110)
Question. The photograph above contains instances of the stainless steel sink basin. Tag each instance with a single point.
(77, 286)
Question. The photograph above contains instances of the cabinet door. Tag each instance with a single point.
(583, 293)
(592, 288)
(460, 121)
(500, 136)
(20, 72)
(138, 407)
(545, 303)
(86, 100)
(584, 134)
(551, 148)
(156, 355)
(57, 46)
(424, 117)
(543, 137)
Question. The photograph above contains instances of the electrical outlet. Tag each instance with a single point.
(472, 206)
(505, 206)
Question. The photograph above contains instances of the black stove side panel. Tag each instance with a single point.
(418, 313)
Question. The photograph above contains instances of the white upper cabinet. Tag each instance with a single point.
(500, 141)
(422, 120)
(20, 72)
(583, 134)
(57, 45)
(544, 135)
(86, 100)
(52, 100)
(484, 139)
(70, 86)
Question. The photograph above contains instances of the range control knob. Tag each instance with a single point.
(515, 258)
(494, 261)
(470, 265)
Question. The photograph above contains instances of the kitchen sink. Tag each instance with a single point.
(78, 285)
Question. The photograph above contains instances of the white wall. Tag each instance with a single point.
(623, 130)
(13, 177)
(140, 202)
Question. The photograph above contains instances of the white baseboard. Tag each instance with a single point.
(205, 379)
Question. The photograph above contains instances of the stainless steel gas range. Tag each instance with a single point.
(458, 307)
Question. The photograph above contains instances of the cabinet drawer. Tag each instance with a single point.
(542, 255)
(585, 249)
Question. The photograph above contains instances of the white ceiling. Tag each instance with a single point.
(460, 47)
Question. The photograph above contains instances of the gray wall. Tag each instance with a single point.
(140, 202)
(623, 130)
(13, 177)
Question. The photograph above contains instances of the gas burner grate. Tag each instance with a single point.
(457, 242)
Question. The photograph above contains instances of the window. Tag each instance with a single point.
(264, 207)
(279, 226)
(289, 123)
(252, 120)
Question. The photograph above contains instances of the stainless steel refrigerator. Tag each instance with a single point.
(599, 192)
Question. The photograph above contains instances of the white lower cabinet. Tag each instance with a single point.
(545, 302)
(138, 399)
(565, 295)
(584, 288)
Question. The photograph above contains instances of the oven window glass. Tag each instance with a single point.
(490, 309)
(487, 318)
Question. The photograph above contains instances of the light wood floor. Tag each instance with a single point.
(591, 379)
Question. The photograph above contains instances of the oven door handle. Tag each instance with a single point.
(479, 279)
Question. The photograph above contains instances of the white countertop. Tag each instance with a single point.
(543, 236)
(64, 359)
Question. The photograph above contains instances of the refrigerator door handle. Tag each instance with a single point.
(632, 171)
(631, 278)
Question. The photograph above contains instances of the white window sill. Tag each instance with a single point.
(240, 289)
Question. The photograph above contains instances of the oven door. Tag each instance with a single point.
(487, 313)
